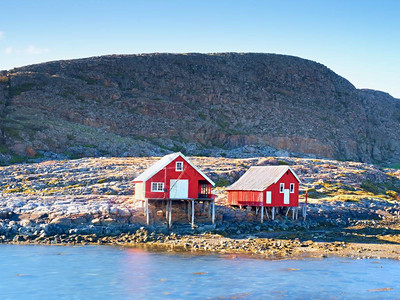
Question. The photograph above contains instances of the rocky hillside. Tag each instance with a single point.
(229, 104)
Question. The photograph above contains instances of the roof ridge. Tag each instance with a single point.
(164, 161)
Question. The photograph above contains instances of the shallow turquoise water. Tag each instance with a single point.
(101, 272)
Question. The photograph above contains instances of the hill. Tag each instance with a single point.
(229, 104)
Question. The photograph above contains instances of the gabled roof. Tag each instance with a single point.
(259, 178)
(163, 162)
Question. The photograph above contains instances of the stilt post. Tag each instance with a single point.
(188, 210)
(192, 214)
(262, 214)
(273, 213)
(287, 212)
(213, 212)
(170, 214)
(147, 212)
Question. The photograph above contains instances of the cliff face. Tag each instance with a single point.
(200, 103)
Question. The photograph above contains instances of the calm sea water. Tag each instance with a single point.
(101, 272)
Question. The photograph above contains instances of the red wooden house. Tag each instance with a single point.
(266, 186)
(173, 178)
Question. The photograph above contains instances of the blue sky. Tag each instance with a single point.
(358, 39)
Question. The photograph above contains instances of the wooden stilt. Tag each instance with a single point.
(147, 212)
(266, 212)
(262, 214)
(287, 212)
(304, 211)
(293, 213)
(273, 213)
(192, 213)
(297, 213)
(257, 208)
(188, 210)
(170, 215)
(213, 212)
(209, 209)
(166, 209)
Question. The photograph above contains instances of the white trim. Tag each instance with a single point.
(159, 186)
(281, 187)
(180, 163)
(292, 187)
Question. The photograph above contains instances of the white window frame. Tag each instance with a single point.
(157, 186)
(179, 163)
(281, 187)
(292, 188)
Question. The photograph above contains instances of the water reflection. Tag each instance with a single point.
(101, 272)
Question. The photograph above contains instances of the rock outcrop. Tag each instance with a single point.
(226, 104)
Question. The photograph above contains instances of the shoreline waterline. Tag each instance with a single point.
(247, 245)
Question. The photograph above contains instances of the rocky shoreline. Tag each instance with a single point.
(206, 243)
(352, 210)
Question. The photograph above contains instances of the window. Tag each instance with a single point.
(179, 166)
(282, 187)
(157, 186)
(292, 187)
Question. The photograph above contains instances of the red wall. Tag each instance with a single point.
(277, 197)
(252, 198)
(189, 173)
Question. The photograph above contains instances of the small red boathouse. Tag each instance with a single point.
(266, 186)
(174, 178)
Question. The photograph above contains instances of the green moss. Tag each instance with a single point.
(370, 187)
(202, 116)
(282, 162)
(396, 166)
(18, 90)
(18, 159)
(222, 182)
(3, 149)
(177, 148)
(11, 132)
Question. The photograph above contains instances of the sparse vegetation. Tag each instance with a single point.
(18, 90)
(222, 182)
(4, 79)
(370, 187)
(396, 166)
